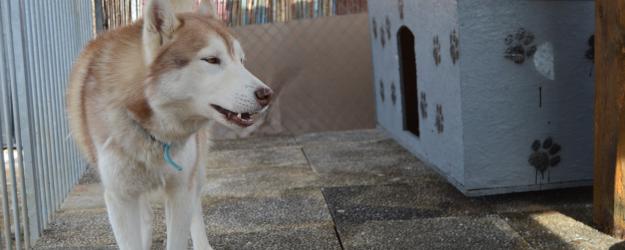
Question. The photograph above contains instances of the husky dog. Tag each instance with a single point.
(138, 101)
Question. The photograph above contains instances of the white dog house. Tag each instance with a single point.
(495, 94)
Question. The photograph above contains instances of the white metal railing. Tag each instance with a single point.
(39, 163)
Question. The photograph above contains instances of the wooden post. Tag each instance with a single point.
(609, 195)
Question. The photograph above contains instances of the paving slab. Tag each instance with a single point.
(91, 175)
(269, 180)
(84, 228)
(358, 204)
(317, 237)
(290, 219)
(78, 248)
(379, 157)
(341, 136)
(254, 143)
(290, 156)
(447, 233)
(555, 230)
(256, 181)
(85, 196)
(295, 207)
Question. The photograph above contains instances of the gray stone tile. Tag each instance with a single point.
(294, 218)
(77, 248)
(84, 228)
(489, 232)
(256, 181)
(379, 157)
(255, 158)
(313, 237)
(269, 180)
(427, 199)
(249, 214)
(555, 230)
(253, 143)
(341, 136)
(85, 196)
(91, 175)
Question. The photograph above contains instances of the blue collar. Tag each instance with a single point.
(166, 149)
(168, 159)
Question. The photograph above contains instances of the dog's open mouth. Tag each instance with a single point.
(241, 119)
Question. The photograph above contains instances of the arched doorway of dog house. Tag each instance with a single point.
(408, 79)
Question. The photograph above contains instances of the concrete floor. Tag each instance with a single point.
(345, 190)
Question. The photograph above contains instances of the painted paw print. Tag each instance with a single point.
(454, 48)
(382, 37)
(393, 96)
(423, 103)
(374, 25)
(440, 119)
(436, 51)
(382, 90)
(388, 28)
(590, 53)
(520, 46)
(544, 155)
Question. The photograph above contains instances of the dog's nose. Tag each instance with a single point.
(263, 96)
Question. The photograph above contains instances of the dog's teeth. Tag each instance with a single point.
(240, 116)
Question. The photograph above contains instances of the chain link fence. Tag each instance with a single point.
(315, 54)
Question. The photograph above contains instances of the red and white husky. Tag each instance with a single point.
(139, 99)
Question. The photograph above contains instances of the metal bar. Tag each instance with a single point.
(53, 96)
(6, 217)
(64, 134)
(35, 61)
(22, 117)
(55, 100)
(67, 62)
(3, 183)
(44, 136)
(34, 180)
(9, 106)
(51, 123)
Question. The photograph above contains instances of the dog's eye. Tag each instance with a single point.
(212, 60)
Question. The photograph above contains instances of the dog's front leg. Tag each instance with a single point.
(124, 215)
(146, 222)
(198, 229)
(178, 213)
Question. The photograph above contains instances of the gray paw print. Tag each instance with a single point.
(374, 25)
(544, 155)
(436, 51)
(440, 119)
(454, 48)
(423, 103)
(393, 96)
(382, 90)
(388, 28)
(520, 46)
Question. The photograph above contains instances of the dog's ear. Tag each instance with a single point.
(159, 24)
(207, 8)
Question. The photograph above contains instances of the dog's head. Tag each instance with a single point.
(196, 70)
